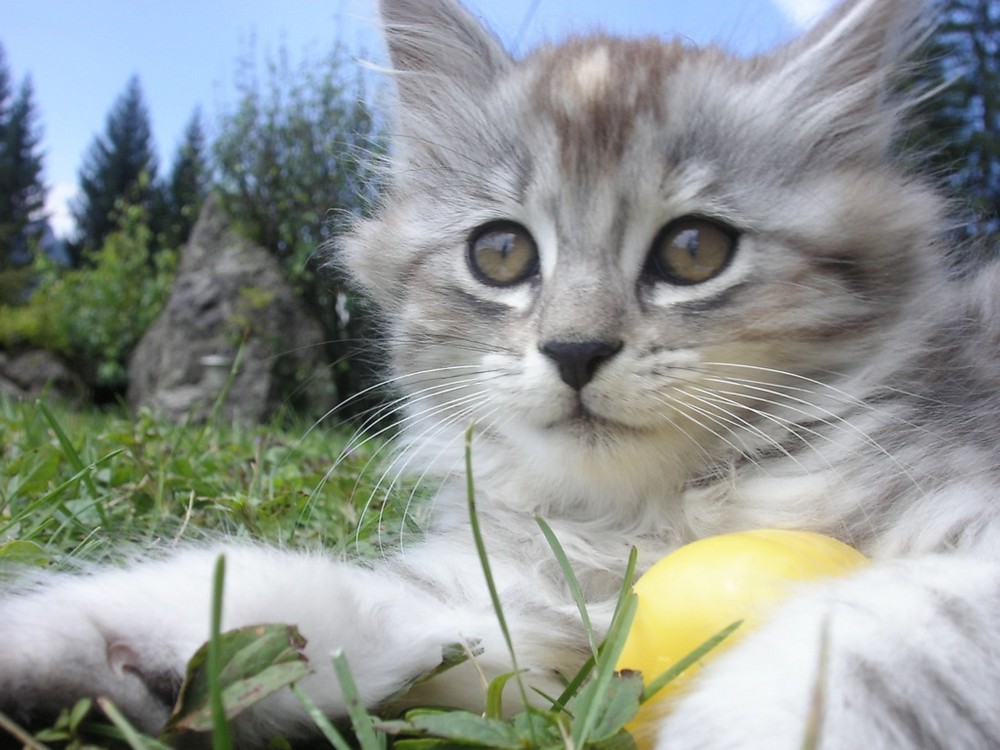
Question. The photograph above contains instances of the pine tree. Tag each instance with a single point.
(961, 123)
(5, 90)
(22, 192)
(183, 192)
(119, 169)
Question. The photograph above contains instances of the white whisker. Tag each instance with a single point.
(837, 421)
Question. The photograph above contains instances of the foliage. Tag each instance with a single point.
(960, 123)
(293, 161)
(85, 482)
(22, 192)
(293, 153)
(119, 169)
(99, 484)
(96, 314)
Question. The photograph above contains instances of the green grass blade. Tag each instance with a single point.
(230, 379)
(817, 708)
(477, 536)
(222, 738)
(132, 737)
(696, 655)
(574, 685)
(37, 510)
(327, 729)
(588, 714)
(9, 726)
(69, 450)
(75, 460)
(624, 595)
(361, 720)
(627, 581)
(571, 581)
(494, 695)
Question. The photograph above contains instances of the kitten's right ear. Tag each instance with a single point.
(431, 41)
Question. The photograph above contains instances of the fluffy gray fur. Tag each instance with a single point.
(831, 377)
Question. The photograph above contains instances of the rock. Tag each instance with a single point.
(229, 301)
(38, 372)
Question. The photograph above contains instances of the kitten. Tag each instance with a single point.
(677, 294)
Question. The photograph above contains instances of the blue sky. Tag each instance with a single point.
(81, 53)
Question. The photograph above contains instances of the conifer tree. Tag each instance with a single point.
(22, 192)
(961, 123)
(119, 169)
(183, 192)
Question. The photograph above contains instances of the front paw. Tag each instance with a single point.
(762, 694)
(52, 656)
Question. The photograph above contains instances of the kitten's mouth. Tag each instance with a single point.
(582, 419)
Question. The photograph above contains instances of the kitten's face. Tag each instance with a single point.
(615, 244)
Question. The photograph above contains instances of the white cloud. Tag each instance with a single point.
(803, 12)
(57, 207)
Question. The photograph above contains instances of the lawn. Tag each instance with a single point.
(84, 482)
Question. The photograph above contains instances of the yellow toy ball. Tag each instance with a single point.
(699, 589)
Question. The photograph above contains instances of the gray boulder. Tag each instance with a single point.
(37, 372)
(229, 302)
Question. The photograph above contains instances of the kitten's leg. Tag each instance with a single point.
(127, 634)
(912, 661)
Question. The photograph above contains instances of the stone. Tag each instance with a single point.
(230, 306)
(36, 372)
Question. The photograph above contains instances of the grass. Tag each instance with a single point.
(96, 484)
(78, 483)
(82, 482)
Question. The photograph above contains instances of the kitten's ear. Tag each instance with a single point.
(431, 41)
(842, 76)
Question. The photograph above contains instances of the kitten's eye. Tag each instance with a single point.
(692, 250)
(503, 254)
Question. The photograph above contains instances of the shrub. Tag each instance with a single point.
(95, 315)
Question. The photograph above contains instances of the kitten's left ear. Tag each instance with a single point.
(840, 76)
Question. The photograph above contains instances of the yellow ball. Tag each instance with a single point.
(699, 589)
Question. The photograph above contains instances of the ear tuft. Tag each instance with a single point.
(841, 76)
(439, 39)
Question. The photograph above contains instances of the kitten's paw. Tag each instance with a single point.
(899, 656)
(53, 654)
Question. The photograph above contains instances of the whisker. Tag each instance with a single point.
(384, 412)
(680, 405)
(402, 461)
(839, 421)
(740, 422)
(454, 408)
(459, 435)
(675, 424)
(769, 416)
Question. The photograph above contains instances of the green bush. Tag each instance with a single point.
(96, 314)
(14, 283)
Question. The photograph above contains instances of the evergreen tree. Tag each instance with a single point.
(5, 89)
(961, 123)
(22, 192)
(183, 192)
(119, 169)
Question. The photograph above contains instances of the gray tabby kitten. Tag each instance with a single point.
(678, 294)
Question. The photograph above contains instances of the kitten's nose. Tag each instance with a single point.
(578, 360)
